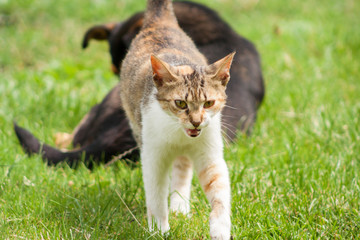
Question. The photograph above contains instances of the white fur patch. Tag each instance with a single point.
(163, 140)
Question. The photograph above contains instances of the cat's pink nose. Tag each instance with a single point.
(196, 124)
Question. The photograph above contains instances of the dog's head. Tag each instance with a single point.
(119, 36)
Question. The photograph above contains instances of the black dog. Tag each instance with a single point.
(105, 131)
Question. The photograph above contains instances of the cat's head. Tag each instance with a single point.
(193, 96)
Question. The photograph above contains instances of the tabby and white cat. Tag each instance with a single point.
(173, 100)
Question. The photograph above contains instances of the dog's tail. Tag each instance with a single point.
(53, 156)
(89, 154)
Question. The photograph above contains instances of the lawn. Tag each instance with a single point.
(296, 177)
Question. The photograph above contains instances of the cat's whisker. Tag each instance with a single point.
(228, 116)
(227, 128)
(226, 138)
(226, 124)
(230, 107)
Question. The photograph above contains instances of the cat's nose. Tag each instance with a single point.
(196, 124)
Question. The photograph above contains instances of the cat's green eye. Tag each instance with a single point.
(209, 104)
(181, 104)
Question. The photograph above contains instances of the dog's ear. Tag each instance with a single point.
(99, 32)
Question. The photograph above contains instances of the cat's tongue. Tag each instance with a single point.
(193, 132)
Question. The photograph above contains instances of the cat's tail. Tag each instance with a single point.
(158, 10)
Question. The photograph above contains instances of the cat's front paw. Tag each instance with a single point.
(162, 226)
(220, 228)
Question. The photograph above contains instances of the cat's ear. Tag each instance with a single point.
(220, 70)
(162, 72)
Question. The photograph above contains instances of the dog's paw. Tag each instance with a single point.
(63, 140)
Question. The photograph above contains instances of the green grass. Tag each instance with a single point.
(297, 177)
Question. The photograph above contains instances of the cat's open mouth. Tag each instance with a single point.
(193, 132)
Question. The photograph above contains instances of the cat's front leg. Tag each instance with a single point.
(214, 179)
(156, 184)
(181, 185)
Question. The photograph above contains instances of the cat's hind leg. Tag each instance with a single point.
(181, 185)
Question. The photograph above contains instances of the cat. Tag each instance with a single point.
(173, 100)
